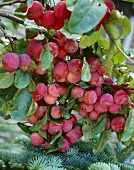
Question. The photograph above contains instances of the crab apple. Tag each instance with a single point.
(108, 80)
(32, 119)
(50, 99)
(41, 89)
(65, 146)
(10, 61)
(35, 11)
(83, 113)
(86, 107)
(59, 24)
(46, 145)
(77, 92)
(100, 108)
(106, 100)
(67, 125)
(71, 46)
(64, 12)
(54, 129)
(94, 79)
(54, 90)
(48, 19)
(60, 38)
(90, 97)
(54, 48)
(60, 72)
(39, 69)
(41, 111)
(109, 4)
(57, 60)
(56, 112)
(94, 115)
(72, 136)
(73, 77)
(39, 21)
(62, 53)
(108, 124)
(121, 98)
(75, 65)
(73, 118)
(93, 64)
(100, 81)
(63, 90)
(45, 127)
(25, 60)
(114, 108)
(36, 139)
(118, 124)
(101, 70)
(78, 129)
(34, 49)
(98, 91)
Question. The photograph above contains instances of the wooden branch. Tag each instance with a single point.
(11, 17)
(11, 2)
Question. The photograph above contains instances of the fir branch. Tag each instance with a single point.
(12, 2)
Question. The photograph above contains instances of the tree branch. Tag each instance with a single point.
(12, 2)
(11, 17)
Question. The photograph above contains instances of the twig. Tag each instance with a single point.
(12, 2)
(5, 34)
(11, 17)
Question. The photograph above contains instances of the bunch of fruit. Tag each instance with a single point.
(52, 119)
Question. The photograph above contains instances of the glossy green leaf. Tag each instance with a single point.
(46, 58)
(22, 80)
(24, 127)
(20, 46)
(129, 127)
(88, 128)
(8, 93)
(100, 125)
(71, 103)
(22, 103)
(65, 95)
(65, 113)
(55, 137)
(129, 0)
(131, 84)
(31, 110)
(102, 141)
(50, 76)
(6, 80)
(87, 41)
(70, 4)
(32, 86)
(83, 85)
(86, 15)
(43, 133)
(31, 24)
(29, 3)
(118, 57)
(85, 74)
(126, 27)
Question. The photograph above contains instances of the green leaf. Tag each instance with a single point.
(22, 103)
(83, 85)
(24, 127)
(31, 24)
(86, 15)
(22, 80)
(30, 68)
(129, 127)
(20, 46)
(129, 0)
(65, 113)
(70, 4)
(85, 74)
(31, 109)
(55, 137)
(6, 80)
(100, 125)
(124, 110)
(131, 84)
(7, 94)
(126, 27)
(88, 128)
(32, 86)
(56, 121)
(102, 141)
(43, 133)
(87, 41)
(65, 95)
(29, 3)
(50, 76)
(71, 103)
(118, 57)
(42, 122)
(46, 58)
(68, 34)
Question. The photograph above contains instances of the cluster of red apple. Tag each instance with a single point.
(53, 18)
